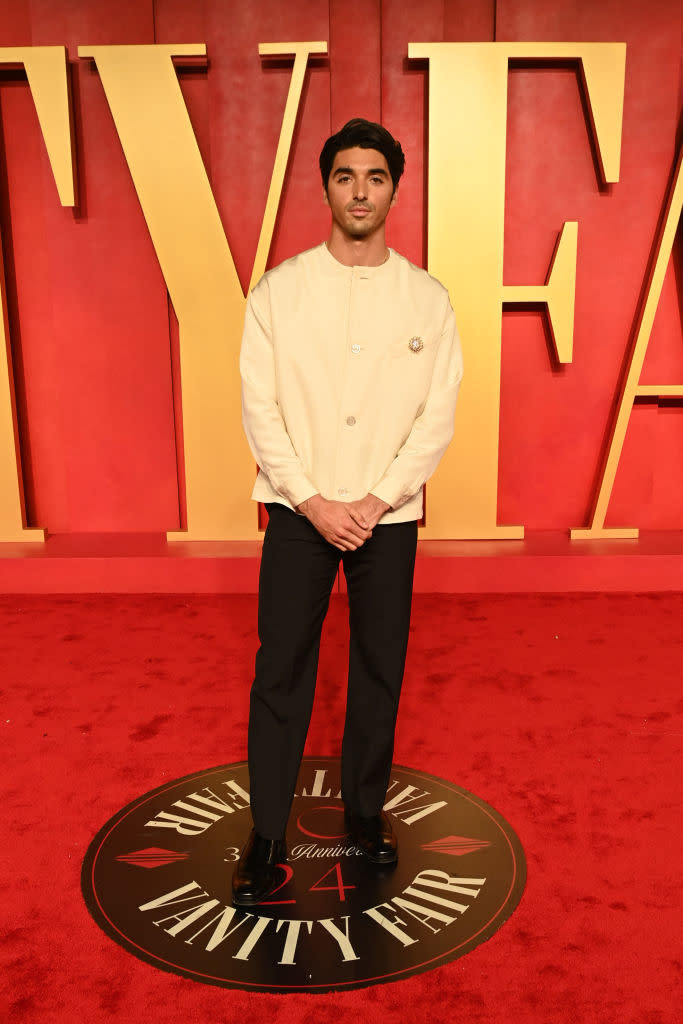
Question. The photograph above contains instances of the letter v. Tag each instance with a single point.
(159, 144)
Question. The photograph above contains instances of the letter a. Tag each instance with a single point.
(632, 387)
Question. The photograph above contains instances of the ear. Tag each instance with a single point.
(325, 199)
(394, 198)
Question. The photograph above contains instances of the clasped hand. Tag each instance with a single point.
(344, 524)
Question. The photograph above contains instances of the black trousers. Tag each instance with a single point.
(298, 569)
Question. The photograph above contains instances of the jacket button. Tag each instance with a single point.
(350, 421)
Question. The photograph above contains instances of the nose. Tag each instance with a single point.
(360, 191)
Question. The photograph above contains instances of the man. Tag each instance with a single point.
(350, 368)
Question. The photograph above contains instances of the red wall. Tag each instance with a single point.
(89, 317)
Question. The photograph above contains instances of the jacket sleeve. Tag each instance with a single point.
(261, 417)
(432, 430)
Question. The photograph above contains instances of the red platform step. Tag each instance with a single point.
(546, 561)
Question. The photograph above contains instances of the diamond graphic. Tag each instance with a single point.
(152, 857)
(456, 846)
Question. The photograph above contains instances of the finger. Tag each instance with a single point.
(338, 539)
(362, 520)
(359, 519)
(349, 542)
(353, 541)
(354, 529)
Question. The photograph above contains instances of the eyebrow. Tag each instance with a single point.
(372, 170)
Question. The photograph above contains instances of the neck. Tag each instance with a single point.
(358, 252)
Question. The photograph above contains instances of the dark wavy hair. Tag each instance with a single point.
(366, 135)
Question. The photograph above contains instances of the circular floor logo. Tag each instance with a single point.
(156, 878)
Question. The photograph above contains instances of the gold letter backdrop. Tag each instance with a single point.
(453, 218)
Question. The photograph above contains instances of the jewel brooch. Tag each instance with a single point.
(416, 344)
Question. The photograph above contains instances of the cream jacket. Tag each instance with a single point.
(349, 381)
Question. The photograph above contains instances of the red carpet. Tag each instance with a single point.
(562, 712)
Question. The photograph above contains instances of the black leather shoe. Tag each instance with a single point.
(373, 836)
(255, 874)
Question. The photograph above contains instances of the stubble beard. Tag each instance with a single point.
(359, 228)
(356, 230)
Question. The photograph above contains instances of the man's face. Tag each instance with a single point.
(360, 191)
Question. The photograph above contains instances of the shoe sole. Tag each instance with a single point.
(250, 901)
(378, 860)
